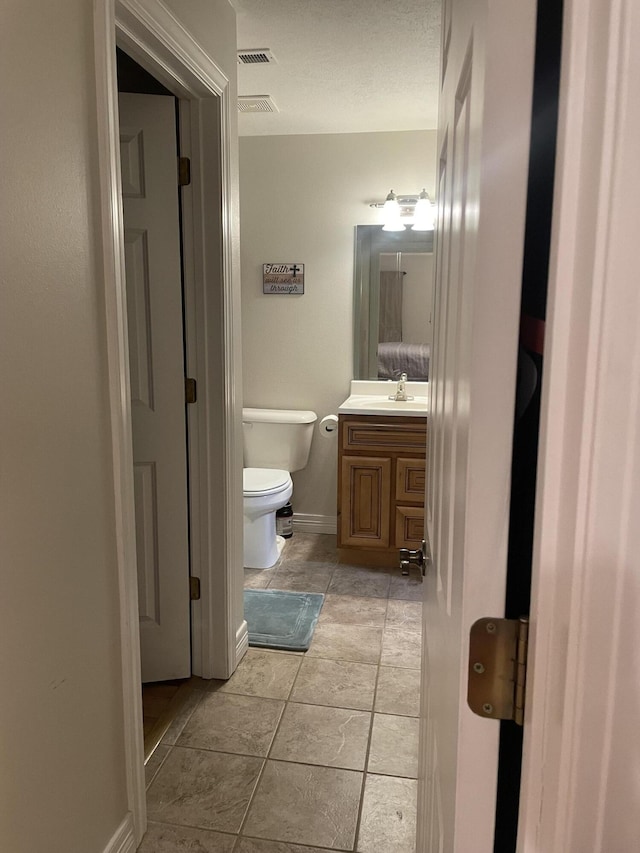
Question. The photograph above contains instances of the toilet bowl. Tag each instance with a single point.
(276, 442)
(265, 491)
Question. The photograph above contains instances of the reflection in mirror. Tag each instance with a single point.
(393, 291)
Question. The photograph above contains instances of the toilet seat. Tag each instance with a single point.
(259, 482)
(265, 490)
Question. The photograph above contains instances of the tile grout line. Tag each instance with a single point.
(289, 701)
(266, 758)
(250, 801)
(171, 746)
(193, 826)
(299, 843)
(270, 757)
(239, 834)
(368, 753)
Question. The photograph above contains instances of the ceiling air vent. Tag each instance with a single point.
(258, 56)
(256, 104)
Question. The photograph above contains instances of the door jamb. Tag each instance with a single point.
(158, 41)
(592, 293)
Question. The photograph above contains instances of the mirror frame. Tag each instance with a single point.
(370, 241)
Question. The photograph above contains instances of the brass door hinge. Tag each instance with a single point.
(184, 171)
(498, 668)
(194, 588)
(190, 390)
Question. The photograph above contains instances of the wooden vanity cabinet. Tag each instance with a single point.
(381, 483)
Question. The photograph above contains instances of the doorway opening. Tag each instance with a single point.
(154, 262)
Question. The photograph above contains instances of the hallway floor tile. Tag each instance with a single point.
(302, 753)
(306, 804)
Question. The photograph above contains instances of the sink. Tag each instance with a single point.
(376, 404)
(394, 404)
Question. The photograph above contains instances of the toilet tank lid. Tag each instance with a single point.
(278, 416)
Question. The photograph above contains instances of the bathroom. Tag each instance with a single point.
(301, 197)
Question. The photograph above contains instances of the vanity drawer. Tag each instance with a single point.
(371, 434)
(410, 479)
(409, 526)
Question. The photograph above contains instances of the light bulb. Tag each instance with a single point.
(423, 218)
(391, 214)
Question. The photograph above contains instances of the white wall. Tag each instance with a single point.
(62, 779)
(300, 199)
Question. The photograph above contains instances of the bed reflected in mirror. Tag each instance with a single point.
(393, 293)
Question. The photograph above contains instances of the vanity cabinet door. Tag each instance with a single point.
(410, 480)
(365, 501)
(409, 526)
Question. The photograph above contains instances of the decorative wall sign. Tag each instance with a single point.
(283, 278)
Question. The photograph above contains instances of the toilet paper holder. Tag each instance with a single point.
(328, 426)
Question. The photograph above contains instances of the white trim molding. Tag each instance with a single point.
(305, 522)
(119, 403)
(242, 641)
(124, 839)
(155, 38)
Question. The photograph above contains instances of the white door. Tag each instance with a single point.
(154, 311)
(488, 56)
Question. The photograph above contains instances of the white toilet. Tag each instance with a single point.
(276, 442)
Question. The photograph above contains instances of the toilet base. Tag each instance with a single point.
(262, 548)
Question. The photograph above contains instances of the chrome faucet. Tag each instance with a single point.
(401, 392)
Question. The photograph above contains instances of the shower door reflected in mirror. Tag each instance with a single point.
(393, 303)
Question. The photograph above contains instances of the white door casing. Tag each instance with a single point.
(152, 35)
(485, 108)
(580, 780)
(148, 156)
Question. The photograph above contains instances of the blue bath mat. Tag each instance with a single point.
(281, 620)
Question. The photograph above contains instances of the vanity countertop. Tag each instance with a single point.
(372, 398)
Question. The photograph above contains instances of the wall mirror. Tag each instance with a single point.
(393, 294)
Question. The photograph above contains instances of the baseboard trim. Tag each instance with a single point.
(242, 641)
(123, 840)
(305, 522)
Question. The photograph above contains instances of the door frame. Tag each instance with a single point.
(590, 424)
(152, 36)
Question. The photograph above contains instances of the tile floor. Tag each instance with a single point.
(299, 753)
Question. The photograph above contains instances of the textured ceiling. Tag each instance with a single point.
(342, 66)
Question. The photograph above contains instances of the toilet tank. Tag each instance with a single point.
(277, 438)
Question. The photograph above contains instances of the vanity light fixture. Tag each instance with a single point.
(400, 211)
